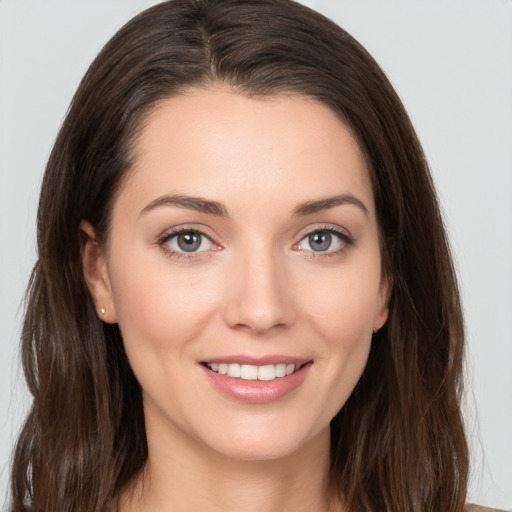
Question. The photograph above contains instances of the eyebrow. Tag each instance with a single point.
(207, 206)
(198, 204)
(327, 203)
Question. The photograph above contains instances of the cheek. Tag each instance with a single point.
(160, 313)
(342, 312)
(344, 304)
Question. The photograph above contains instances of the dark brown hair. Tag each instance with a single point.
(398, 444)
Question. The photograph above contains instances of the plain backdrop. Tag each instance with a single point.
(451, 63)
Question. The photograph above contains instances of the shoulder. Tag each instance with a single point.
(477, 508)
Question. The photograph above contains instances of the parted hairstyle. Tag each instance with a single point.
(398, 444)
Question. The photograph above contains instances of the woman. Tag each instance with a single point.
(244, 297)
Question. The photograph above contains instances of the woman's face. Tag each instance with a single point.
(244, 241)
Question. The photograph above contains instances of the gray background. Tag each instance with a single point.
(451, 62)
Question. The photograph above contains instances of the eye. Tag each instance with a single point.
(189, 241)
(324, 240)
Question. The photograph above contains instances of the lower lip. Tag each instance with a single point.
(257, 391)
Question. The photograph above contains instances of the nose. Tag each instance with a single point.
(260, 295)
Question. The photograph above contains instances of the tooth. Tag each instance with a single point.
(234, 370)
(249, 372)
(280, 370)
(267, 372)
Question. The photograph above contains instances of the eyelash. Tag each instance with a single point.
(346, 242)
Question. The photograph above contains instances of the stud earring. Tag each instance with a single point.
(102, 311)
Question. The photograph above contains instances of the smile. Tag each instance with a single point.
(252, 372)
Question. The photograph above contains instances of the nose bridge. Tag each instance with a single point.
(259, 298)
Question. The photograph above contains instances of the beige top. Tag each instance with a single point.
(476, 508)
(468, 508)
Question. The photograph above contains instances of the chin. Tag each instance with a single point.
(275, 440)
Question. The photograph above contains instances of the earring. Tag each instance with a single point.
(102, 311)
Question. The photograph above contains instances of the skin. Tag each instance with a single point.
(257, 288)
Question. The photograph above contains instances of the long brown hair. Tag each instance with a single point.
(398, 443)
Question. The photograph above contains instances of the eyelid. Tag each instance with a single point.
(334, 228)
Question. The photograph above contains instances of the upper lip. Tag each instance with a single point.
(257, 360)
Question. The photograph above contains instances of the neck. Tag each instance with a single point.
(183, 474)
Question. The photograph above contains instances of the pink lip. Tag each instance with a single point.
(257, 391)
(257, 360)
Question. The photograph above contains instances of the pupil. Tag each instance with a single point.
(320, 241)
(189, 242)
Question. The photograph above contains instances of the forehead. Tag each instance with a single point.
(214, 142)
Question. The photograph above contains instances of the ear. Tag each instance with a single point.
(96, 274)
(382, 309)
